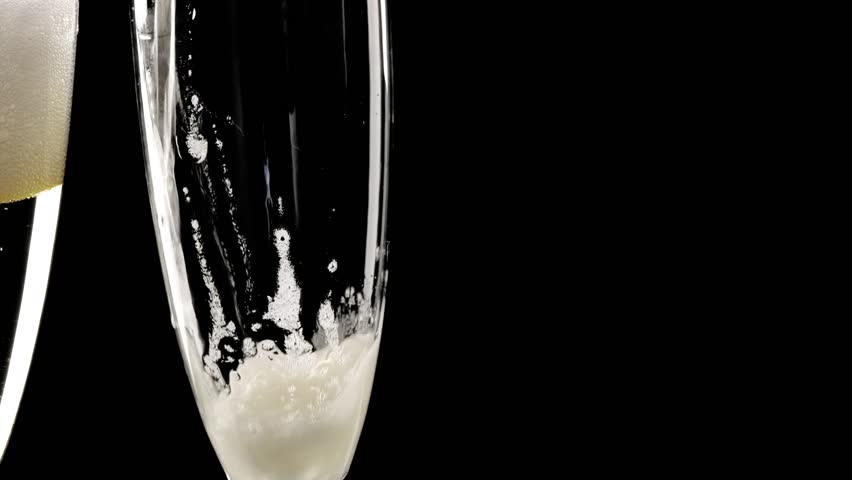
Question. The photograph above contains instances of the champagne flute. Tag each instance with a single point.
(37, 47)
(266, 134)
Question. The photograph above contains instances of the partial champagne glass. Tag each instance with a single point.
(266, 131)
(37, 47)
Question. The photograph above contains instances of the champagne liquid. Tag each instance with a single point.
(292, 417)
(37, 41)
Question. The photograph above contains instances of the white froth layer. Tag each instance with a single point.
(293, 417)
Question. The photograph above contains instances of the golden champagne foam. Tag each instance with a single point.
(37, 44)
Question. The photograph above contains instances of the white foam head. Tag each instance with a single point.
(37, 45)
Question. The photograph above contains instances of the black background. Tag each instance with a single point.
(107, 394)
